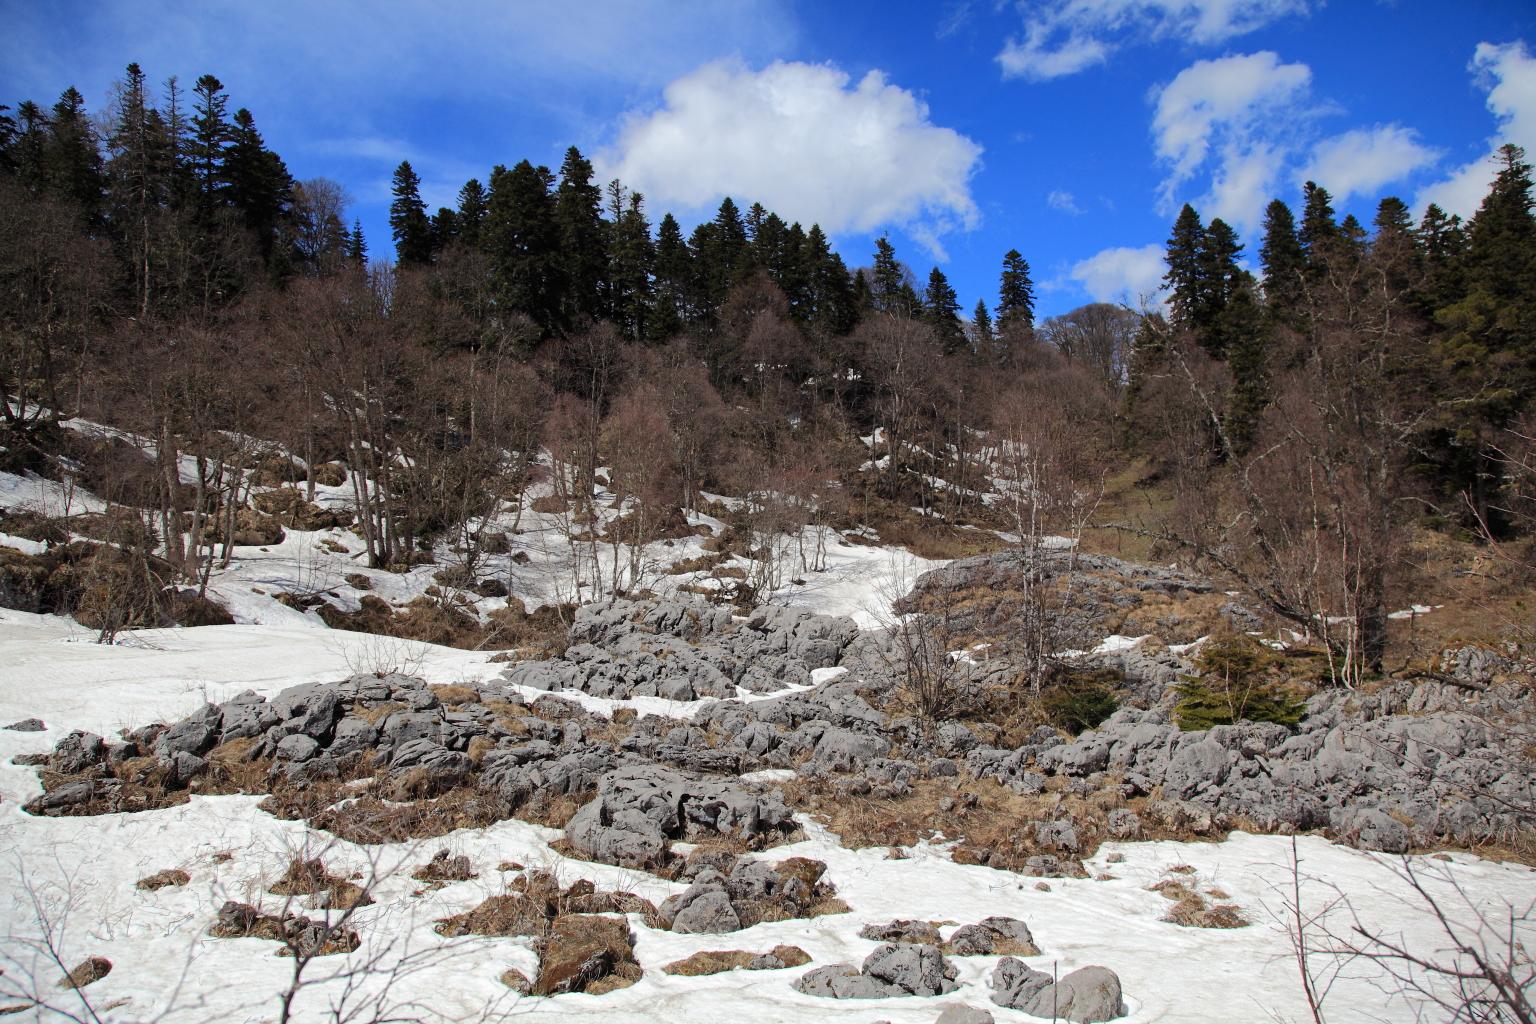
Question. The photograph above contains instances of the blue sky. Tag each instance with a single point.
(1069, 129)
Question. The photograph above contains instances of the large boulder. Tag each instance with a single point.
(1085, 996)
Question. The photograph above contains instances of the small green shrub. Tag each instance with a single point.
(1238, 679)
(1080, 701)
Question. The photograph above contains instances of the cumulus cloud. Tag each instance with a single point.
(805, 141)
(1508, 72)
(1063, 37)
(1064, 201)
(1361, 161)
(1221, 97)
(1131, 276)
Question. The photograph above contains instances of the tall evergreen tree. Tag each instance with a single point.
(1394, 248)
(471, 215)
(941, 309)
(888, 287)
(1244, 336)
(1016, 294)
(210, 135)
(72, 159)
(522, 241)
(1442, 248)
(1284, 263)
(832, 307)
(258, 183)
(981, 326)
(408, 223)
(1319, 232)
(1220, 280)
(137, 179)
(357, 246)
(1185, 280)
(582, 239)
(674, 270)
(630, 258)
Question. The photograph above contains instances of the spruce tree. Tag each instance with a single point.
(137, 182)
(888, 287)
(1220, 279)
(72, 157)
(1015, 295)
(1284, 263)
(1394, 249)
(521, 240)
(941, 309)
(471, 214)
(981, 327)
(669, 312)
(1185, 277)
(1319, 232)
(258, 185)
(408, 223)
(210, 136)
(582, 242)
(357, 246)
(630, 257)
(1442, 248)
(831, 304)
(1244, 335)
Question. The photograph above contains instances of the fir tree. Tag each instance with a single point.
(630, 256)
(471, 214)
(257, 182)
(210, 136)
(1185, 277)
(831, 304)
(1442, 248)
(1015, 295)
(1220, 279)
(1319, 232)
(673, 271)
(887, 281)
(1244, 337)
(941, 309)
(1284, 262)
(1394, 249)
(981, 327)
(521, 239)
(582, 247)
(408, 223)
(72, 157)
(357, 246)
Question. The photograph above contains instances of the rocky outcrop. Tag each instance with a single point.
(1086, 995)
(687, 651)
(891, 970)
(1409, 765)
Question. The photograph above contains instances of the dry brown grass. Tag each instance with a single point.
(370, 820)
(309, 877)
(170, 877)
(1195, 909)
(994, 826)
(718, 961)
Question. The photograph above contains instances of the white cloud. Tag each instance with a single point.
(1508, 72)
(1221, 97)
(1063, 37)
(1243, 185)
(806, 142)
(1131, 276)
(1361, 161)
(1064, 201)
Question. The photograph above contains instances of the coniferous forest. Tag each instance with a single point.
(165, 272)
